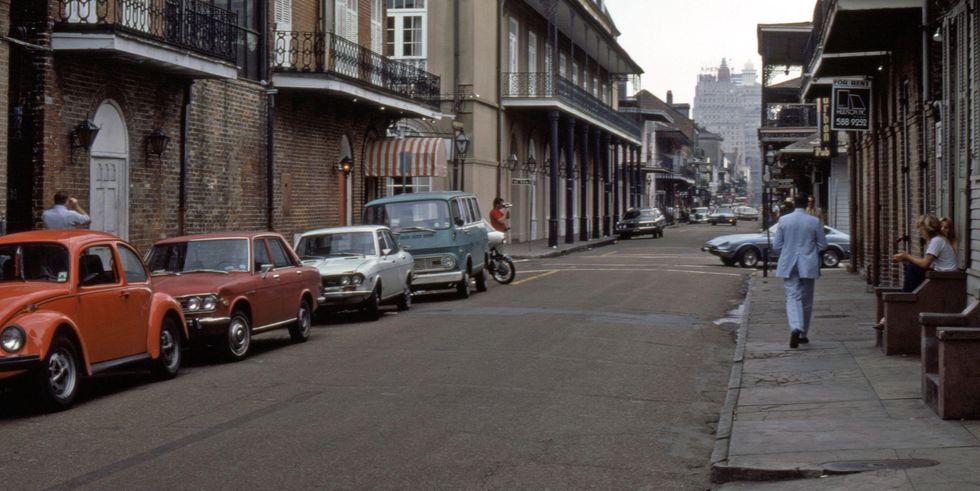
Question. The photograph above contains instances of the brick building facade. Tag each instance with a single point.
(240, 150)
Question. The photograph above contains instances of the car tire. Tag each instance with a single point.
(463, 286)
(238, 337)
(734, 222)
(372, 306)
(481, 280)
(749, 258)
(167, 363)
(300, 330)
(830, 259)
(405, 302)
(58, 375)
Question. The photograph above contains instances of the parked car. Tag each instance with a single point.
(234, 285)
(722, 215)
(748, 249)
(744, 212)
(360, 267)
(444, 233)
(76, 303)
(699, 215)
(641, 222)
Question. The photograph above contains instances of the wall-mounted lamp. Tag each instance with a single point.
(157, 143)
(938, 35)
(345, 166)
(512, 162)
(83, 136)
(462, 143)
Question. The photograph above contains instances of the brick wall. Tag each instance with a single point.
(4, 105)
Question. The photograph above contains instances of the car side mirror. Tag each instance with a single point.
(265, 268)
(386, 252)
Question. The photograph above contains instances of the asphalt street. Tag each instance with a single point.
(602, 369)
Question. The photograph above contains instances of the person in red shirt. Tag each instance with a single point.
(498, 214)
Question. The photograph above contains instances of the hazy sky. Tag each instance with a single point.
(673, 39)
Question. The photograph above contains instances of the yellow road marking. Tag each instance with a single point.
(542, 275)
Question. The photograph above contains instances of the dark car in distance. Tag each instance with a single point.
(641, 221)
(722, 215)
(748, 249)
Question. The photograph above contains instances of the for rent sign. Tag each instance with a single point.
(851, 102)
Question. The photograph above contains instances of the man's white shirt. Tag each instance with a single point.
(60, 217)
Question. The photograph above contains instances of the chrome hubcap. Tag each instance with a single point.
(304, 320)
(168, 348)
(61, 374)
(238, 337)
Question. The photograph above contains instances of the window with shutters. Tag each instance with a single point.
(532, 61)
(513, 39)
(406, 32)
(345, 19)
(284, 15)
(377, 13)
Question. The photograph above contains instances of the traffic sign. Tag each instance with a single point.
(520, 180)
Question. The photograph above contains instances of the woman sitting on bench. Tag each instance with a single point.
(940, 254)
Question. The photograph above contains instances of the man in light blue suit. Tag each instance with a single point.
(800, 241)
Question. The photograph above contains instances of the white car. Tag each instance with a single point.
(360, 267)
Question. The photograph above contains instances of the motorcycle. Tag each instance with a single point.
(501, 266)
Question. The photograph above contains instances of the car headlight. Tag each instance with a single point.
(12, 339)
(193, 304)
(357, 279)
(448, 262)
(344, 280)
(209, 302)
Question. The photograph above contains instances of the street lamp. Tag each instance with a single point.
(461, 143)
(157, 142)
(512, 162)
(767, 193)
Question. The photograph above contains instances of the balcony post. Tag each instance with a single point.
(596, 196)
(606, 185)
(634, 152)
(553, 180)
(627, 181)
(583, 185)
(615, 181)
(570, 183)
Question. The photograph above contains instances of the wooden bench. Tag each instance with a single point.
(941, 292)
(951, 363)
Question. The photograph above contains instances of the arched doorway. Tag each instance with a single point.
(346, 183)
(109, 172)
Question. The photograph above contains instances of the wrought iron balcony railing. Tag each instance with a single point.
(790, 116)
(194, 25)
(549, 85)
(313, 52)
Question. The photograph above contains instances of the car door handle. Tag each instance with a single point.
(124, 294)
(275, 277)
(299, 272)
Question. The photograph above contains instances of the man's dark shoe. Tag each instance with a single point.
(794, 339)
(804, 340)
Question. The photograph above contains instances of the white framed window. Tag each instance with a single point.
(513, 43)
(532, 61)
(574, 73)
(402, 185)
(345, 19)
(407, 31)
(377, 12)
(562, 65)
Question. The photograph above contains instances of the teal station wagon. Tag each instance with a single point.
(444, 231)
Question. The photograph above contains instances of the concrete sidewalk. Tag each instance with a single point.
(836, 404)
(537, 249)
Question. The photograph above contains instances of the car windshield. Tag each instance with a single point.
(214, 255)
(631, 214)
(409, 216)
(34, 262)
(339, 244)
(650, 214)
(723, 210)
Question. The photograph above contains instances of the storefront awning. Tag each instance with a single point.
(406, 157)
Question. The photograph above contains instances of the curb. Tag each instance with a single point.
(562, 252)
(720, 471)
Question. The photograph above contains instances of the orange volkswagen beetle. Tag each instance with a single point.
(77, 302)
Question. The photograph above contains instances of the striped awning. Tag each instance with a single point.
(406, 157)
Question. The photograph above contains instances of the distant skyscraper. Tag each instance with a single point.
(730, 104)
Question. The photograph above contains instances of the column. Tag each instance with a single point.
(569, 183)
(583, 183)
(596, 196)
(553, 180)
(637, 202)
(606, 185)
(627, 204)
(615, 181)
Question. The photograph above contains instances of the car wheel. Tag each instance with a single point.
(481, 280)
(749, 258)
(734, 222)
(372, 306)
(238, 338)
(300, 330)
(168, 361)
(830, 258)
(405, 302)
(57, 377)
(463, 286)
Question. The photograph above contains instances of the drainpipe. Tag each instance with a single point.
(184, 151)
(457, 107)
(926, 93)
(500, 107)
(270, 118)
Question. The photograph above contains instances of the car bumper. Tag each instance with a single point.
(424, 279)
(18, 363)
(327, 299)
(207, 326)
(646, 229)
(718, 252)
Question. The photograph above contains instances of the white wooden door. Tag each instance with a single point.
(109, 182)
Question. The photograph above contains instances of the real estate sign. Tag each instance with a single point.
(851, 105)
